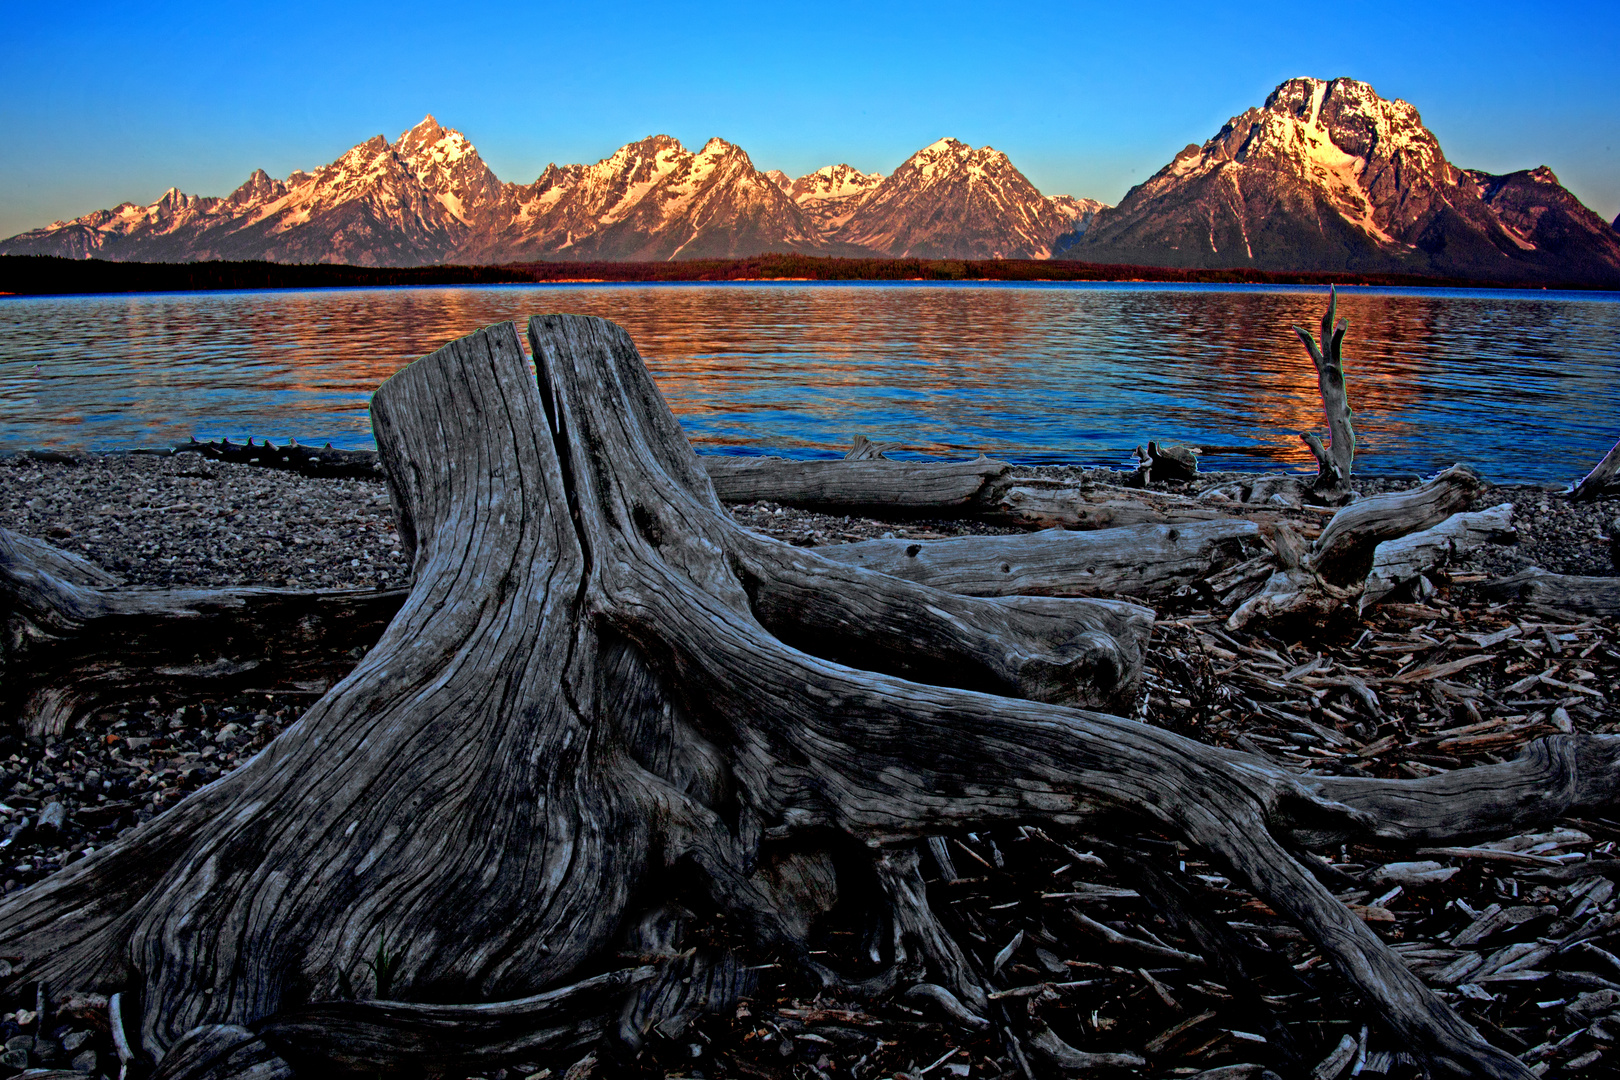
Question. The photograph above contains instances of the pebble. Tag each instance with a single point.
(183, 520)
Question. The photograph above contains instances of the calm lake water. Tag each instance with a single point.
(1523, 385)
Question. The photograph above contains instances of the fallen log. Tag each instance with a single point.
(1332, 573)
(1567, 592)
(77, 639)
(324, 461)
(1407, 559)
(1138, 560)
(584, 692)
(982, 489)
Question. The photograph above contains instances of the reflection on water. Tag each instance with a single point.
(1521, 384)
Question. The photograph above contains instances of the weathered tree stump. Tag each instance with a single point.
(587, 688)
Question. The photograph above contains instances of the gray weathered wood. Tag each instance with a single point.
(1600, 479)
(1570, 592)
(1334, 461)
(78, 639)
(1138, 560)
(1334, 571)
(982, 489)
(857, 484)
(1401, 561)
(578, 694)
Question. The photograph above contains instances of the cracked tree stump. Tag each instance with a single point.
(587, 690)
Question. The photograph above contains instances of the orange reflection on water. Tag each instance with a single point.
(1038, 373)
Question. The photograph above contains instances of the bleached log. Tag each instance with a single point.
(1334, 571)
(1137, 560)
(1402, 561)
(1568, 592)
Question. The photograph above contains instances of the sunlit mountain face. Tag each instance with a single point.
(1327, 175)
(428, 198)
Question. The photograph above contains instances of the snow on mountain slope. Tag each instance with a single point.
(831, 194)
(950, 201)
(427, 197)
(1327, 175)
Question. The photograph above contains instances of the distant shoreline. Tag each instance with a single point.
(42, 275)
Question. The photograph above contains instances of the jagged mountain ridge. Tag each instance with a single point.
(949, 200)
(429, 198)
(1327, 175)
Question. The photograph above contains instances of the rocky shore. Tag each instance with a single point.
(1519, 934)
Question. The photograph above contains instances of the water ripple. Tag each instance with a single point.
(1521, 384)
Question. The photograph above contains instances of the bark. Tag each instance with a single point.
(582, 694)
(1601, 477)
(76, 640)
(1333, 461)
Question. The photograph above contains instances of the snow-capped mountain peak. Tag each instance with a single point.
(428, 197)
(1328, 175)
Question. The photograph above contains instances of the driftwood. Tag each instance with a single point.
(1324, 577)
(1166, 463)
(308, 460)
(76, 639)
(1600, 480)
(982, 489)
(1139, 560)
(1333, 461)
(586, 689)
(1566, 592)
(1408, 559)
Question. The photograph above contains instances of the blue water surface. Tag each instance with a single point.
(1521, 384)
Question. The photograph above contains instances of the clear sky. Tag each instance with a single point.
(104, 103)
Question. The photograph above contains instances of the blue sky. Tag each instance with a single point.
(104, 103)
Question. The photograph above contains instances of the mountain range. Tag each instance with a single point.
(427, 197)
(1324, 176)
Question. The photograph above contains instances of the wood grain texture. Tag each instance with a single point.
(1335, 460)
(1139, 561)
(1569, 592)
(1402, 561)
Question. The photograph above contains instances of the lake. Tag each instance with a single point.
(1523, 385)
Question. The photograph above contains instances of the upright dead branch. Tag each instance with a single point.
(1333, 462)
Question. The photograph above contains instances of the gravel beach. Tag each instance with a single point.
(159, 520)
